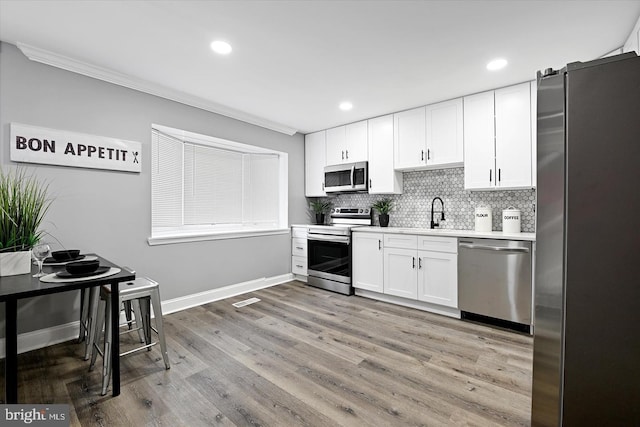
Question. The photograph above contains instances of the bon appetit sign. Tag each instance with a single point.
(33, 144)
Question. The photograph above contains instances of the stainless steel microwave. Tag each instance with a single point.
(347, 177)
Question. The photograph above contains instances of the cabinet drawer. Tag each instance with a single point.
(299, 232)
(438, 244)
(402, 241)
(299, 247)
(299, 265)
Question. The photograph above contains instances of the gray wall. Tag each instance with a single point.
(110, 212)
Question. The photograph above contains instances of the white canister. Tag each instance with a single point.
(511, 220)
(483, 218)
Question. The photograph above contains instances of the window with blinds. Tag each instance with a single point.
(205, 184)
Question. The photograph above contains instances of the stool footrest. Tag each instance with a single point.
(139, 348)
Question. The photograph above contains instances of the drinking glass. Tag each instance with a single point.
(40, 253)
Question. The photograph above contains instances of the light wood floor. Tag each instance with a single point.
(300, 356)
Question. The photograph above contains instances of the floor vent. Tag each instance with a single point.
(245, 302)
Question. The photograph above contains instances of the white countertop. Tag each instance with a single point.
(436, 232)
(450, 233)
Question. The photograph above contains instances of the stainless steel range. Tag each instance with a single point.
(329, 249)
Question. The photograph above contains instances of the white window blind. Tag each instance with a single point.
(212, 185)
(262, 190)
(166, 181)
(217, 186)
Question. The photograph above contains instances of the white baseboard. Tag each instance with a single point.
(194, 300)
(420, 305)
(60, 333)
(44, 337)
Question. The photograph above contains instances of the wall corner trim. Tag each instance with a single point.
(76, 66)
(60, 333)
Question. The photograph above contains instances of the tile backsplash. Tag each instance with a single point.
(413, 207)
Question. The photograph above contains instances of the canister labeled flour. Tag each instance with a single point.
(511, 220)
(483, 218)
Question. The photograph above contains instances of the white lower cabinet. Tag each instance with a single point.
(400, 272)
(423, 268)
(367, 258)
(299, 265)
(299, 251)
(438, 278)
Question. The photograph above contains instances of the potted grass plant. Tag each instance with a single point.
(383, 206)
(23, 205)
(320, 208)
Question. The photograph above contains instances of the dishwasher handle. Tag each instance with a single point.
(493, 248)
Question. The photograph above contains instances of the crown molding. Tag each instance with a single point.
(120, 79)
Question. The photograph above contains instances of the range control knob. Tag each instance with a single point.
(337, 210)
(361, 210)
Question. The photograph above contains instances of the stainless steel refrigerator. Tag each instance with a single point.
(586, 363)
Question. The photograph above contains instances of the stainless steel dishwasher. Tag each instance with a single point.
(494, 280)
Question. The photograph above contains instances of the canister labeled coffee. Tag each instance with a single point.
(511, 220)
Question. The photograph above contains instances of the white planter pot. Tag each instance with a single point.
(13, 263)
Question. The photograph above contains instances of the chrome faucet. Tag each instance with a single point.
(433, 223)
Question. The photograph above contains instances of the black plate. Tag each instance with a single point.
(67, 275)
(52, 260)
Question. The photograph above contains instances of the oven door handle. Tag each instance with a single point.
(325, 238)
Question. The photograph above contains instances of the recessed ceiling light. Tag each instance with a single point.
(346, 106)
(496, 64)
(223, 48)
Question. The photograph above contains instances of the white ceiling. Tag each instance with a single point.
(294, 61)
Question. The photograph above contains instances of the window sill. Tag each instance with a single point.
(169, 239)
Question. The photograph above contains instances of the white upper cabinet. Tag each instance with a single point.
(513, 136)
(383, 179)
(347, 144)
(409, 139)
(356, 149)
(314, 163)
(429, 137)
(497, 139)
(336, 142)
(534, 133)
(479, 138)
(444, 131)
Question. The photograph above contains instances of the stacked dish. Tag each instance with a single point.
(64, 256)
(82, 269)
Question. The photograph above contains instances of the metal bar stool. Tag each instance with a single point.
(142, 293)
(88, 311)
(89, 299)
